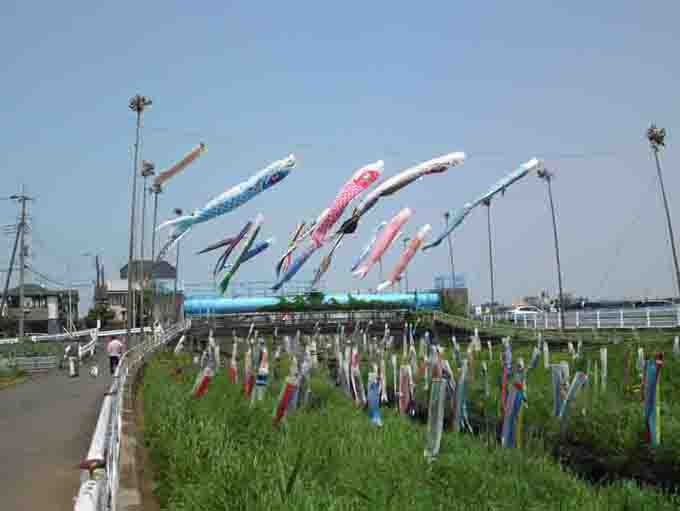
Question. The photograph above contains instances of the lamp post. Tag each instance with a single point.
(656, 137)
(156, 189)
(448, 237)
(137, 104)
(406, 240)
(178, 212)
(547, 176)
(147, 170)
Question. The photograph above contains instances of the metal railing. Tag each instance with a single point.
(74, 335)
(100, 469)
(666, 317)
(297, 318)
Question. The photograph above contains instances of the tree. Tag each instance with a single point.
(100, 311)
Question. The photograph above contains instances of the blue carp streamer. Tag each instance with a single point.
(653, 401)
(516, 399)
(228, 201)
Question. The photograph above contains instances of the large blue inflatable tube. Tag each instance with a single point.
(200, 305)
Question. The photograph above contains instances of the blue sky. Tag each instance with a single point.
(341, 85)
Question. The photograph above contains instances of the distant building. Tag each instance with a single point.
(116, 290)
(45, 310)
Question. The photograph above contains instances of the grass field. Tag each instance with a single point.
(218, 452)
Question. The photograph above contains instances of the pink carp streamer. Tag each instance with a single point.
(387, 236)
(360, 181)
(406, 257)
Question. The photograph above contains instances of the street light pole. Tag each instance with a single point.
(156, 190)
(147, 170)
(547, 176)
(487, 203)
(453, 273)
(656, 138)
(137, 104)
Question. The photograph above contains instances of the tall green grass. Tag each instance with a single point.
(219, 453)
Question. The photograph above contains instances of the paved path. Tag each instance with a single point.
(46, 425)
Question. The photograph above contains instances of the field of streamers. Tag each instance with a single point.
(220, 452)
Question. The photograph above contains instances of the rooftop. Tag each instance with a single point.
(161, 270)
(38, 290)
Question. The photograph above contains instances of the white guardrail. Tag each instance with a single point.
(100, 468)
(75, 335)
(666, 317)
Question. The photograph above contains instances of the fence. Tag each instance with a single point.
(298, 318)
(92, 332)
(34, 364)
(101, 466)
(666, 317)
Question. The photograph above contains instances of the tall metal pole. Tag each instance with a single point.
(178, 212)
(137, 104)
(545, 174)
(147, 170)
(656, 138)
(155, 189)
(406, 240)
(453, 273)
(70, 303)
(488, 222)
(22, 264)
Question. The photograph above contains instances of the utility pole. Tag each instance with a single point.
(21, 228)
(178, 212)
(137, 104)
(487, 203)
(656, 138)
(547, 176)
(9, 271)
(453, 274)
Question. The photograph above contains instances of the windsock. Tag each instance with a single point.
(288, 391)
(374, 399)
(249, 376)
(579, 380)
(383, 380)
(262, 376)
(228, 201)
(405, 383)
(180, 345)
(387, 236)
(509, 436)
(435, 416)
(653, 401)
(202, 382)
(535, 356)
(460, 407)
(603, 368)
(406, 257)
(395, 375)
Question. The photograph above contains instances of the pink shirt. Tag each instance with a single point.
(114, 348)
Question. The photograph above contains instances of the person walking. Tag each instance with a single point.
(115, 349)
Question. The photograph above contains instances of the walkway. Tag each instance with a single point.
(46, 425)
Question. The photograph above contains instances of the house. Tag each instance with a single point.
(45, 310)
(162, 274)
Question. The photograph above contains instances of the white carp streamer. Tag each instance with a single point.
(406, 257)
